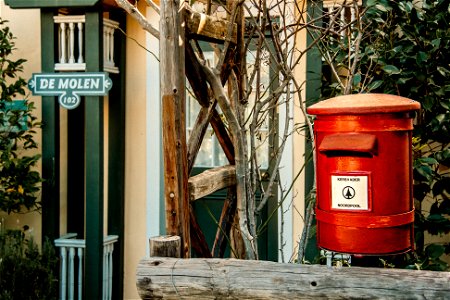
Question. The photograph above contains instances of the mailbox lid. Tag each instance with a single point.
(363, 104)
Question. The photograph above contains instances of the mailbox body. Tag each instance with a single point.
(364, 173)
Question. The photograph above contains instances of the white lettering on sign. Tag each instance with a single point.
(47, 83)
(78, 83)
(350, 192)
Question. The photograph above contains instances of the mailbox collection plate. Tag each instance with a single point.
(351, 191)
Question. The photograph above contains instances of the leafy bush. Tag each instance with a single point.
(403, 50)
(24, 272)
(19, 182)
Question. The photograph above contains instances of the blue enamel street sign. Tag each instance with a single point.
(70, 86)
(8, 110)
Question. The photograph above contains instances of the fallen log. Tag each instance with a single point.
(199, 278)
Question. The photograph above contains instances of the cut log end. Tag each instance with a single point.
(165, 246)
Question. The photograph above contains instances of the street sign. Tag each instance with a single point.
(10, 108)
(70, 86)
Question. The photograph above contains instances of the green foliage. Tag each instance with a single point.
(404, 50)
(19, 182)
(24, 272)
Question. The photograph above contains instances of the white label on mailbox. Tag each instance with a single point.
(349, 192)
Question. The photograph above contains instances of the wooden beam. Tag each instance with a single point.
(222, 136)
(172, 79)
(116, 156)
(49, 3)
(225, 224)
(198, 239)
(211, 181)
(50, 137)
(207, 28)
(168, 278)
(198, 133)
(94, 163)
(196, 77)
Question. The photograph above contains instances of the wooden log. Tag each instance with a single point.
(198, 240)
(169, 278)
(225, 222)
(198, 133)
(165, 246)
(207, 28)
(172, 79)
(223, 137)
(195, 75)
(211, 181)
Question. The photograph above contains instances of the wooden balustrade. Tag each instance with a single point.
(72, 47)
(72, 265)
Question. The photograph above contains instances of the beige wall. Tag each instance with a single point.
(24, 25)
(135, 159)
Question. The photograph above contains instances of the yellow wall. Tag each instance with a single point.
(25, 26)
(135, 159)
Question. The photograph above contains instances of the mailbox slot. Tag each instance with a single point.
(349, 144)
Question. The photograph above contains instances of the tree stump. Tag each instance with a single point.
(165, 246)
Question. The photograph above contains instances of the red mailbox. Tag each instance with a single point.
(364, 173)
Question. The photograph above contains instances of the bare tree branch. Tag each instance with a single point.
(213, 78)
(138, 16)
(152, 5)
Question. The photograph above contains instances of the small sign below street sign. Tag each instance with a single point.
(70, 86)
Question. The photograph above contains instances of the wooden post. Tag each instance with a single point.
(94, 162)
(200, 278)
(116, 157)
(165, 246)
(50, 137)
(172, 66)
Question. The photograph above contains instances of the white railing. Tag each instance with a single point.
(72, 264)
(71, 48)
(109, 26)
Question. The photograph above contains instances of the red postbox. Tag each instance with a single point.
(364, 173)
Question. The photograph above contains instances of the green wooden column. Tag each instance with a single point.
(75, 170)
(50, 136)
(116, 159)
(94, 160)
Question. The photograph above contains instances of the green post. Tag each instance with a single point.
(50, 136)
(116, 159)
(94, 161)
(75, 170)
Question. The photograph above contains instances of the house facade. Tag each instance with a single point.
(106, 155)
(104, 159)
